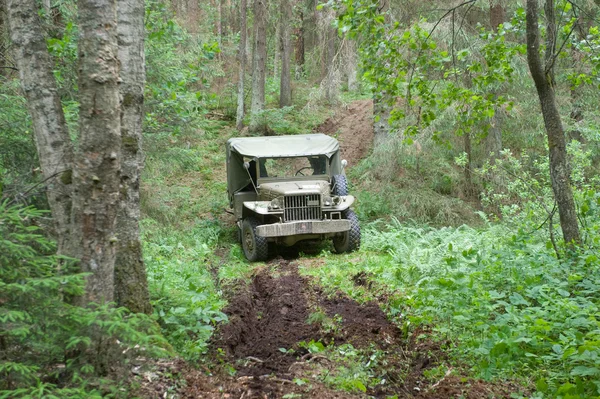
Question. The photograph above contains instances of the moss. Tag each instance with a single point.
(128, 99)
(130, 143)
(67, 177)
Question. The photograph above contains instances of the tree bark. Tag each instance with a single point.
(494, 138)
(259, 58)
(277, 55)
(285, 90)
(351, 64)
(381, 99)
(299, 47)
(381, 117)
(220, 24)
(96, 174)
(497, 13)
(50, 129)
(131, 284)
(331, 78)
(543, 78)
(239, 119)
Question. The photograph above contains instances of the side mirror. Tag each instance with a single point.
(344, 163)
(247, 165)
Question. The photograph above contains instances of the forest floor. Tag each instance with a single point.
(289, 338)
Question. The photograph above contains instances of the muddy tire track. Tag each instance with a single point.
(269, 317)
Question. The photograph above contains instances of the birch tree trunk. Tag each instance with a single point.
(494, 138)
(96, 174)
(543, 78)
(285, 90)
(382, 103)
(351, 64)
(259, 58)
(239, 119)
(332, 78)
(50, 129)
(131, 284)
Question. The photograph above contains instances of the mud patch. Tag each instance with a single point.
(353, 127)
(362, 325)
(270, 317)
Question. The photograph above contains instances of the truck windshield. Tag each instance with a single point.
(293, 167)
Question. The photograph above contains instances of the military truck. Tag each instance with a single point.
(285, 189)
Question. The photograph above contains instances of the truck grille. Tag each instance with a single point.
(302, 207)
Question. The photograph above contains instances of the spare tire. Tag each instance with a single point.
(339, 185)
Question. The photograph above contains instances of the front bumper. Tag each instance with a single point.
(303, 227)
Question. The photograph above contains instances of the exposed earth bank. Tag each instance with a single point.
(353, 127)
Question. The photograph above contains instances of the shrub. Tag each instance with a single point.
(48, 347)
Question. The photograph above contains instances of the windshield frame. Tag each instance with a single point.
(324, 176)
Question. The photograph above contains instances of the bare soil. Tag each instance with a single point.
(270, 317)
(353, 127)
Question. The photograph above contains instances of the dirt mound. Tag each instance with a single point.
(362, 325)
(353, 127)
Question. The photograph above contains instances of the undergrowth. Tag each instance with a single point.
(50, 348)
(510, 307)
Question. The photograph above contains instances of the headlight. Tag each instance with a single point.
(275, 204)
(336, 200)
(327, 201)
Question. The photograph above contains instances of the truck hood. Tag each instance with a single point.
(268, 191)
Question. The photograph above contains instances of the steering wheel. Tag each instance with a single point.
(299, 171)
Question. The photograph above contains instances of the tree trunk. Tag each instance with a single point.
(351, 64)
(285, 90)
(277, 56)
(381, 100)
(494, 138)
(131, 284)
(467, 172)
(220, 24)
(381, 117)
(239, 119)
(544, 83)
(331, 78)
(259, 58)
(49, 126)
(299, 47)
(497, 13)
(96, 174)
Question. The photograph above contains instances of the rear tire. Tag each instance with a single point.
(349, 241)
(255, 248)
(339, 185)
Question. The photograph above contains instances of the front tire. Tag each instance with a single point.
(349, 241)
(255, 248)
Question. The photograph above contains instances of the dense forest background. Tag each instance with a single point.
(473, 138)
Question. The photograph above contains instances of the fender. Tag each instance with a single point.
(262, 208)
(345, 203)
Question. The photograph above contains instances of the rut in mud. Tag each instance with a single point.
(272, 316)
(269, 319)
